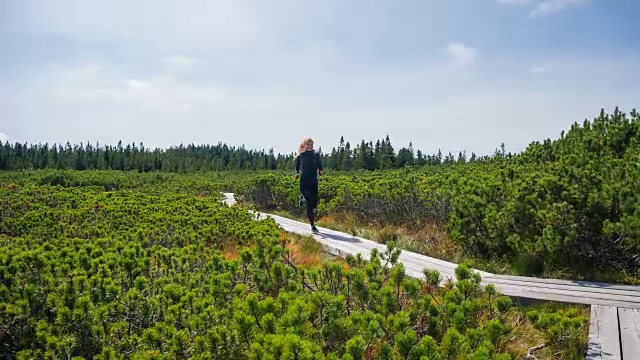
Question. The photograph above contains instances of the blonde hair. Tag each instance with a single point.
(304, 142)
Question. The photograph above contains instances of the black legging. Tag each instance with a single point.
(310, 193)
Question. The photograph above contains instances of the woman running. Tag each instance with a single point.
(308, 165)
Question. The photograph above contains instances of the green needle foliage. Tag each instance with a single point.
(568, 204)
(126, 267)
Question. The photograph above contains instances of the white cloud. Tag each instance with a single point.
(162, 24)
(186, 107)
(3, 137)
(540, 69)
(136, 84)
(545, 7)
(99, 85)
(461, 54)
(179, 63)
(552, 6)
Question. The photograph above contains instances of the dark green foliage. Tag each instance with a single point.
(135, 273)
(563, 328)
(569, 204)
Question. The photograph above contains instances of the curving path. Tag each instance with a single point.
(615, 309)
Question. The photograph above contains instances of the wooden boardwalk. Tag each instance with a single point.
(614, 333)
(615, 309)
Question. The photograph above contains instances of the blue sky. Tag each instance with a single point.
(451, 75)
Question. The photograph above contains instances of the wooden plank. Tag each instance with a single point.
(629, 333)
(579, 296)
(229, 199)
(357, 246)
(360, 245)
(582, 290)
(535, 290)
(370, 244)
(582, 283)
(445, 267)
(604, 337)
(563, 297)
(345, 247)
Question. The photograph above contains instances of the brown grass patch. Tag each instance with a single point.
(230, 252)
(331, 218)
(525, 335)
(305, 251)
(301, 257)
(431, 240)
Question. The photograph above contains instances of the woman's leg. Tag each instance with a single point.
(310, 194)
(314, 195)
(313, 203)
(310, 207)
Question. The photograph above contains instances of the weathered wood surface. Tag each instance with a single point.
(614, 333)
(581, 292)
(629, 333)
(604, 335)
(582, 283)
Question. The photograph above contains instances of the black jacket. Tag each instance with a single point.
(309, 162)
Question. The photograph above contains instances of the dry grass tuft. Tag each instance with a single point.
(431, 240)
(230, 252)
(300, 256)
(305, 251)
(526, 336)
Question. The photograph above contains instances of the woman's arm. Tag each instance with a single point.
(320, 164)
(297, 162)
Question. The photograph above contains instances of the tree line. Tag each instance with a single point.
(383, 156)
(367, 155)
